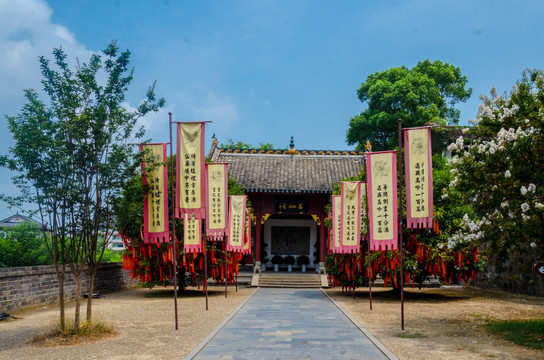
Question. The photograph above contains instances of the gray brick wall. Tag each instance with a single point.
(31, 286)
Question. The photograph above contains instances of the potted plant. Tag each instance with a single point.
(289, 260)
(302, 261)
(277, 260)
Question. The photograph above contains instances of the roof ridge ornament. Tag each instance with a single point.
(292, 147)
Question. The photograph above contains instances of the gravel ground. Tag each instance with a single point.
(446, 323)
(143, 319)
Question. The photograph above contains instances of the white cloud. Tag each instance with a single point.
(205, 105)
(27, 32)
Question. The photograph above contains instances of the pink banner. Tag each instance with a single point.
(156, 200)
(192, 234)
(216, 211)
(419, 178)
(190, 170)
(350, 219)
(381, 172)
(237, 217)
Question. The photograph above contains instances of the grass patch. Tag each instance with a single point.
(528, 333)
(87, 331)
(410, 336)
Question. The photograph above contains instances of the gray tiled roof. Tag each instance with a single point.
(297, 173)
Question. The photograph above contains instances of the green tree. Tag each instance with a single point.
(421, 95)
(74, 157)
(231, 144)
(502, 175)
(23, 245)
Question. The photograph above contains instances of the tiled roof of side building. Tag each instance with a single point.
(307, 171)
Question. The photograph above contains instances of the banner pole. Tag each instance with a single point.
(175, 249)
(368, 238)
(399, 162)
(369, 276)
(353, 276)
(206, 272)
(226, 276)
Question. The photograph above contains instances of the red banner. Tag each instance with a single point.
(237, 217)
(192, 234)
(190, 171)
(419, 178)
(381, 172)
(156, 201)
(350, 218)
(216, 211)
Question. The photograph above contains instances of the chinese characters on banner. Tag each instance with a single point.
(381, 172)
(237, 216)
(334, 245)
(419, 178)
(350, 224)
(364, 215)
(156, 201)
(216, 211)
(247, 237)
(190, 189)
(192, 234)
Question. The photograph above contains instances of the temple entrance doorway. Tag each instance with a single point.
(290, 237)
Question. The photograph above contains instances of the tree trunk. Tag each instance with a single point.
(77, 316)
(90, 297)
(61, 303)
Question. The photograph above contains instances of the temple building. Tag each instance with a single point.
(288, 190)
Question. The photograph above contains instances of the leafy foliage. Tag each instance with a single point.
(501, 174)
(421, 95)
(23, 245)
(231, 144)
(73, 154)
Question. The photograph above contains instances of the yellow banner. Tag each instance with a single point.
(237, 222)
(420, 170)
(364, 215)
(191, 234)
(336, 216)
(383, 199)
(156, 187)
(190, 196)
(350, 213)
(217, 196)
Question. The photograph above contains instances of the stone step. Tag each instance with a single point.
(290, 280)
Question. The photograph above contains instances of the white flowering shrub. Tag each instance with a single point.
(502, 175)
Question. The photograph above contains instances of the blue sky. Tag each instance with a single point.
(263, 71)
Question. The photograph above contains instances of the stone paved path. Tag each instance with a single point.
(290, 324)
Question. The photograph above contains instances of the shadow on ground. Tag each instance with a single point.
(415, 295)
